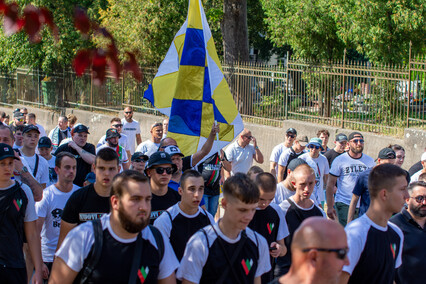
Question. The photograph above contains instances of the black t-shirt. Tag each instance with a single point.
(186, 163)
(413, 250)
(331, 155)
(13, 206)
(210, 169)
(161, 203)
(294, 216)
(415, 168)
(83, 168)
(85, 205)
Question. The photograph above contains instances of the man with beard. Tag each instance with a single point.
(92, 201)
(412, 223)
(130, 251)
(290, 136)
(60, 132)
(123, 141)
(112, 136)
(131, 129)
(83, 152)
(345, 169)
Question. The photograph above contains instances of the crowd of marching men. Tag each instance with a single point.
(320, 215)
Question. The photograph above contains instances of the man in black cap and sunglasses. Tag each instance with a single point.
(160, 169)
(138, 162)
(345, 170)
(319, 252)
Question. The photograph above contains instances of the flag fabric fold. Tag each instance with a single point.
(191, 89)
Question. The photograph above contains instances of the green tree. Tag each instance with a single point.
(382, 30)
(48, 55)
(308, 26)
(148, 27)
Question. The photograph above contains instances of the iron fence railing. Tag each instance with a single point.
(358, 95)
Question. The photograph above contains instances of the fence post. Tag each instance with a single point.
(122, 89)
(342, 125)
(287, 87)
(409, 87)
(91, 91)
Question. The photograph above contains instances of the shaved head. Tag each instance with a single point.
(314, 257)
(317, 232)
(303, 170)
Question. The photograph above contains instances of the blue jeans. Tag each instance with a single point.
(212, 202)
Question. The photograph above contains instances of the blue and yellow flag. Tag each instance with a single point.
(191, 89)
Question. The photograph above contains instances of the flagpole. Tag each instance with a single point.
(217, 139)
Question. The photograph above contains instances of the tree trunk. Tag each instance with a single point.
(234, 31)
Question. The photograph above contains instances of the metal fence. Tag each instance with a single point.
(358, 95)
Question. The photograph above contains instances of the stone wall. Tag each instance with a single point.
(414, 141)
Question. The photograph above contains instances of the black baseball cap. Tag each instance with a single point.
(44, 142)
(295, 163)
(80, 129)
(112, 132)
(387, 154)
(292, 131)
(29, 128)
(6, 152)
(139, 155)
(341, 137)
(160, 158)
(354, 134)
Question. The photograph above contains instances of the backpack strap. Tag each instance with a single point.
(159, 240)
(136, 259)
(205, 213)
(170, 216)
(96, 252)
(207, 237)
(36, 166)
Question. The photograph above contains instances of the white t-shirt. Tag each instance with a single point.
(50, 208)
(415, 176)
(241, 158)
(283, 160)
(347, 169)
(148, 147)
(276, 153)
(282, 193)
(321, 168)
(131, 129)
(16, 146)
(77, 244)
(41, 129)
(122, 141)
(30, 213)
(42, 175)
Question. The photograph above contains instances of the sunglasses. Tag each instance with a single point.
(341, 253)
(420, 198)
(361, 141)
(160, 170)
(128, 112)
(291, 136)
(248, 137)
(313, 147)
(140, 160)
(117, 125)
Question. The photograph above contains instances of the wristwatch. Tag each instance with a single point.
(24, 170)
